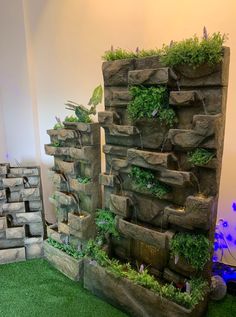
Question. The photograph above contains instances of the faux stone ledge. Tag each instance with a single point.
(108, 117)
(25, 194)
(122, 130)
(115, 73)
(120, 205)
(115, 150)
(183, 98)
(3, 223)
(64, 199)
(2, 195)
(197, 213)
(205, 127)
(79, 223)
(13, 243)
(66, 264)
(86, 153)
(159, 76)
(154, 160)
(83, 127)
(70, 168)
(12, 255)
(149, 236)
(108, 180)
(132, 298)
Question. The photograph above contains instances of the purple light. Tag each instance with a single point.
(225, 224)
(229, 237)
(234, 206)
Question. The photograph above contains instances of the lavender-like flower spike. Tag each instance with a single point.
(137, 50)
(205, 34)
(112, 48)
(171, 43)
(58, 119)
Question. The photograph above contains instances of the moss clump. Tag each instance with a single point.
(194, 248)
(145, 179)
(200, 156)
(194, 51)
(119, 53)
(150, 103)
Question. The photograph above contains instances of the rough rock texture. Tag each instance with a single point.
(21, 212)
(198, 97)
(75, 175)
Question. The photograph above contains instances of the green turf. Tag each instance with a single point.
(34, 288)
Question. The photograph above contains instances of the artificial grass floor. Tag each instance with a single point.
(36, 289)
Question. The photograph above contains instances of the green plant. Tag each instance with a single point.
(119, 53)
(194, 51)
(56, 143)
(83, 179)
(105, 221)
(200, 156)
(70, 250)
(71, 119)
(194, 248)
(59, 124)
(198, 287)
(145, 179)
(82, 113)
(149, 103)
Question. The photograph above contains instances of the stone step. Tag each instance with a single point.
(184, 98)
(86, 153)
(115, 73)
(204, 133)
(153, 160)
(12, 255)
(115, 150)
(108, 180)
(106, 118)
(197, 213)
(153, 237)
(64, 199)
(122, 130)
(120, 205)
(158, 76)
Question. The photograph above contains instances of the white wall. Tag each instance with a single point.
(52, 51)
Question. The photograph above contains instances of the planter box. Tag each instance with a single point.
(131, 298)
(66, 264)
(119, 205)
(86, 153)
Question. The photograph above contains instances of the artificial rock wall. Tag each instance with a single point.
(21, 214)
(76, 179)
(147, 224)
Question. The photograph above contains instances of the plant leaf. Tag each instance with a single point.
(96, 96)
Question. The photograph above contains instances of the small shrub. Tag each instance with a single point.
(194, 248)
(119, 53)
(200, 156)
(145, 179)
(71, 119)
(84, 179)
(67, 248)
(149, 103)
(56, 143)
(105, 221)
(194, 51)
